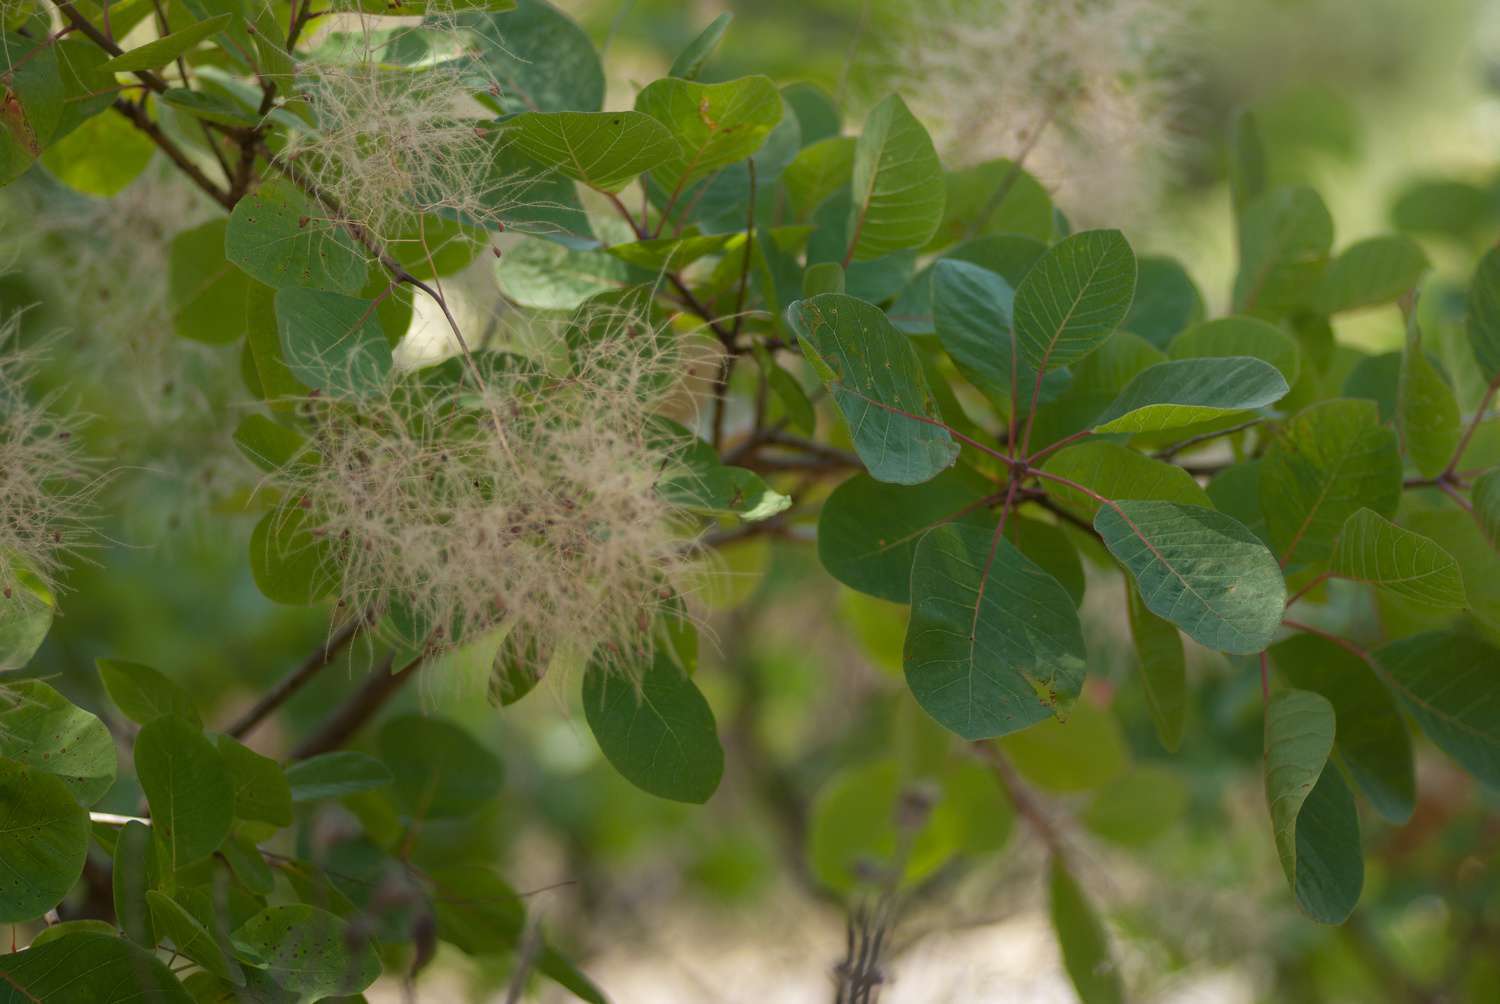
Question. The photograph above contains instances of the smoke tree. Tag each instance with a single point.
(722, 313)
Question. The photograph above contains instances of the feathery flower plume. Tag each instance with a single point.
(1086, 90)
(529, 501)
(45, 486)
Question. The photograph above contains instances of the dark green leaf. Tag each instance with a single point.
(136, 870)
(1074, 298)
(1448, 683)
(190, 792)
(88, 969)
(1427, 415)
(334, 775)
(543, 61)
(45, 731)
(44, 834)
(144, 694)
(261, 793)
(689, 62)
(1166, 302)
(997, 197)
(1083, 940)
(816, 111)
(280, 238)
(994, 643)
(308, 951)
(210, 296)
(897, 184)
(657, 731)
(190, 938)
(289, 562)
(1163, 668)
(439, 770)
(331, 342)
(1199, 569)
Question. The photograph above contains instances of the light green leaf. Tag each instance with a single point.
(1074, 298)
(1373, 549)
(1484, 493)
(1312, 812)
(67, 927)
(714, 125)
(210, 297)
(277, 236)
(1484, 314)
(1163, 668)
(604, 150)
(331, 342)
(543, 61)
(89, 969)
(657, 731)
(1427, 415)
(308, 951)
(190, 938)
(1080, 752)
(1117, 472)
(271, 446)
(971, 209)
(1373, 271)
(550, 276)
(101, 157)
(817, 172)
(143, 694)
(1241, 336)
(994, 643)
(868, 531)
(289, 563)
(261, 793)
(1370, 737)
(878, 384)
(45, 731)
(135, 869)
(897, 184)
(1285, 236)
(334, 775)
(44, 839)
(1450, 683)
(665, 254)
(1138, 808)
(25, 618)
(1185, 392)
(439, 770)
(1199, 569)
(1083, 940)
(1323, 465)
(689, 62)
(155, 55)
(190, 792)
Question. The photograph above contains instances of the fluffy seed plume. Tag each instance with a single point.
(1086, 90)
(529, 502)
(45, 488)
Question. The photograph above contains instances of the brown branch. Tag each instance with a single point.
(347, 720)
(103, 41)
(138, 117)
(294, 681)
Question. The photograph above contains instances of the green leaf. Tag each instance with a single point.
(25, 619)
(288, 562)
(88, 969)
(550, 276)
(191, 939)
(1448, 684)
(1323, 465)
(210, 297)
(87, 87)
(868, 531)
(604, 150)
(1074, 298)
(190, 792)
(816, 111)
(1427, 415)
(245, 860)
(796, 407)
(439, 770)
(280, 238)
(897, 183)
(877, 381)
(1285, 237)
(714, 125)
(695, 480)
(1166, 302)
(971, 315)
(817, 172)
(1241, 336)
(334, 775)
(308, 951)
(1199, 569)
(35, 93)
(1440, 206)
(971, 208)
(1083, 940)
(143, 694)
(1050, 546)
(1163, 667)
(208, 107)
(261, 792)
(1185, 392)
(1083, 751)
(155, 55)
(331, 342)
(136, 869)
(67, 927)
(1088, 387)
(1138, 808)
(1484, 493)
(45, 731)
(657, 731)
(543, 61)
(1370, 737)
(689, 62)
(44, 837)
(667, 254)
(269, 445)
(1312, 812)
(994, 643)
(99, 157)
(1484, 314)
(1373, 271)
(1373, 549)
(1117, 472)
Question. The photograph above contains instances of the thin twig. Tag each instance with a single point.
(294, 681)
(359, 709)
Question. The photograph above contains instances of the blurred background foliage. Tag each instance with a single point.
(1390, 108)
